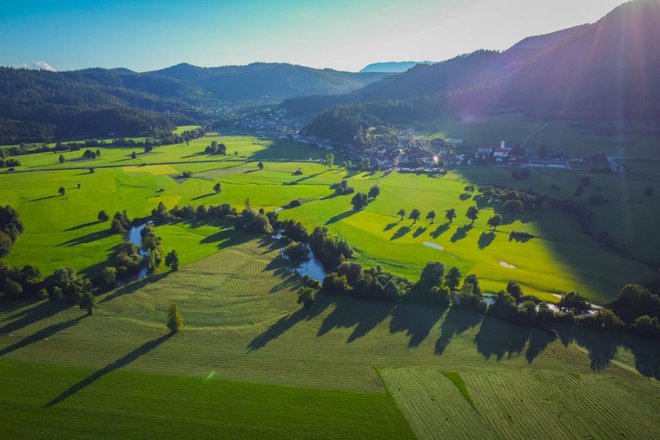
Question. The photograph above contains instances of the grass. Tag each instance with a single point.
(245, 335)
(524, 404)
(547, 265)
(152, 405)
(574, 137)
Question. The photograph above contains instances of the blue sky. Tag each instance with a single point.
(342, 34)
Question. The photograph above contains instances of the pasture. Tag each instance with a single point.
(585, 138)
(251, 362)
(559, 258)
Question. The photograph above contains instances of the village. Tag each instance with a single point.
(406, 152)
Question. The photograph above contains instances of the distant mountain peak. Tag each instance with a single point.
(392, 66)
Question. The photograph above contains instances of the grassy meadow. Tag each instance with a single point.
(64, 230)
(251, 363)
(633, 142)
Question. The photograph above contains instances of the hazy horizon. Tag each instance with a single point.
(146, 35)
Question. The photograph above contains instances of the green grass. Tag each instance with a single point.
(183, 128)
(573, 137)
(524, 404)
(136, 405)
(243, 327)
(552, 263)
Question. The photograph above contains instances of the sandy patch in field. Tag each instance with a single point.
(156, 170)
(507, 265)
(434, 246)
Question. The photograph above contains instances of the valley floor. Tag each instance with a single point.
(251, 363)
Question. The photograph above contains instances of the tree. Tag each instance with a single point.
(402, 213)
(61, 191)
(513, 205)
(5, 244)
(87, 303)
(575, 302)
(472, 281)
(217, 188)
(450, 215)
(430, 216)
(91, 170)
(414, 215)
(330, 160)
(172, 260)
(495, 221)
(133, 155)
(306, 297)
(359, 201)
(432, 275)
(453, 278)
(260, 165)
(374, 191)
(103, 216)
(174, 318)
(61, 159)
(514, 289)
(109, 276)
(472, 213)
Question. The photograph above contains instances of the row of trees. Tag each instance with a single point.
(11, 228)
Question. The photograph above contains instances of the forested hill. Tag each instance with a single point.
(41, 105)
(609, 70)
(268, 80)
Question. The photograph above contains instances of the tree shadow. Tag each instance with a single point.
(419, 231)
(41, 335)
(133, 286)
(44, 198)
(498, 338)
(347, 314)
(340, 217)
(403, 230)
(461, 233)
(94, 236)
(486, 239)
(390, 226)
(417, 321)
(119, 363)
(302, 179)
(321, 302)
(520, 239)
(203, 196)
(441, 229)
(83, 225)
(456, 322)
(40, 311)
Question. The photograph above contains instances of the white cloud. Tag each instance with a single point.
(42, 65)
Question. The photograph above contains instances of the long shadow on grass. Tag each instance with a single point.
(486, 239)
(133, 286)
(456, 322)
(203, 196)
(403, 230)
(499, 339)
(364, 315)
(416, 320)
(38, 312)
(82, 225)
(340, 217)
(419, 231)
(119, 363)
(41, 335)
(461, 233)
(94, 236)
(602, 346)
(441, 229)
(284, 324)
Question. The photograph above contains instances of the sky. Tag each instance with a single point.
(145, 35)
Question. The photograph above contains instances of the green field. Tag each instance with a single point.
(251, 364)
(559, 259)
(583, 138)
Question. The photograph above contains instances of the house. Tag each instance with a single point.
(501, 153)
(483, 153)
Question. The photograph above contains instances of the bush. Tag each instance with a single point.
(297, 252)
